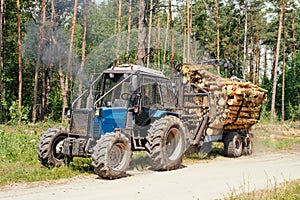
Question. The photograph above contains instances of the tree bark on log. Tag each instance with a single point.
(234, 105)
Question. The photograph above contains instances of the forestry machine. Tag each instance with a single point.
(132, 108)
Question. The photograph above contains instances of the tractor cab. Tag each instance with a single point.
(123, 97)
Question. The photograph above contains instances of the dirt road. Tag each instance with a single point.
(205, 180)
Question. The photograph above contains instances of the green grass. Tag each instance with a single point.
(276, 137)
(19, 162)
(285, 191)
(283, 144)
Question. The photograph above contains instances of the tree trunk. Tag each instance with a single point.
(294, 41)
(69, 65)
(283, 86)
(283, 72)
(128, 30)
(190, 27)
(251, 58)
(276, 61)
(149, 32)
(44, 89)
(43, 72)
(19, 62)
(257, 58)
(238, 44)
(166, 42)
(83, 48)
(265, 66)
(230, 50)
(273, 61)
(245, 41)
(119, 31)
(141, 33)
(217, 32)
(2, 72)
(158, 40)
(38, 60)
(188, 35)
(172, 34)
(64, 89)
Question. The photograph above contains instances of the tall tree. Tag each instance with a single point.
(265, 65)
(158, 39)
(70, 55)
(83, 49)
(38, 59)
(276, 61)
(238, 41)
(69, 66)
(172, 33)
(19, 61)
(141, 33)
(293, 38)
(283, 84)
(149, 32)
(128, 30)
(251, 75)
(119, 30)
(217, 31)
(2, 72)
(283, 70)
(245, 39)
(257, 58)
(166, 41)
(188, 35)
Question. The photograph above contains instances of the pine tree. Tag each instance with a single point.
(272, 117)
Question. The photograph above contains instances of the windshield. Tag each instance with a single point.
(111, 89)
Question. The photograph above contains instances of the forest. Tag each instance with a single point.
(48, 48)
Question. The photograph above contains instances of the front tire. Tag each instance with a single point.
(50, 147)
(166, 143)
(111, 156)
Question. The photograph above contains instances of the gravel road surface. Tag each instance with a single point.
(212, 179)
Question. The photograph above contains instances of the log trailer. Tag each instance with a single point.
(132, 108)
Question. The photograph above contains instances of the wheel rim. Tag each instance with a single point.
(116, 157)
(57, 149)
(172, 144)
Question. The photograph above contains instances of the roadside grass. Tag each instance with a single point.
(289, 190)
(19, 161)
(276, 137)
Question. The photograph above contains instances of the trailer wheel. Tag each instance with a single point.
(166, 143)
(111, 156)
(233, 145)
(247, 146)
(50, 147)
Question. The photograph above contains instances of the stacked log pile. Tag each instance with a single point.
(234, 105)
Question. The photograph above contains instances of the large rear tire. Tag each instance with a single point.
(50, 147)
(111, 156)
(233, 145)
(166, 143)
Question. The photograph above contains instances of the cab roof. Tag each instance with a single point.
(131, 69)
